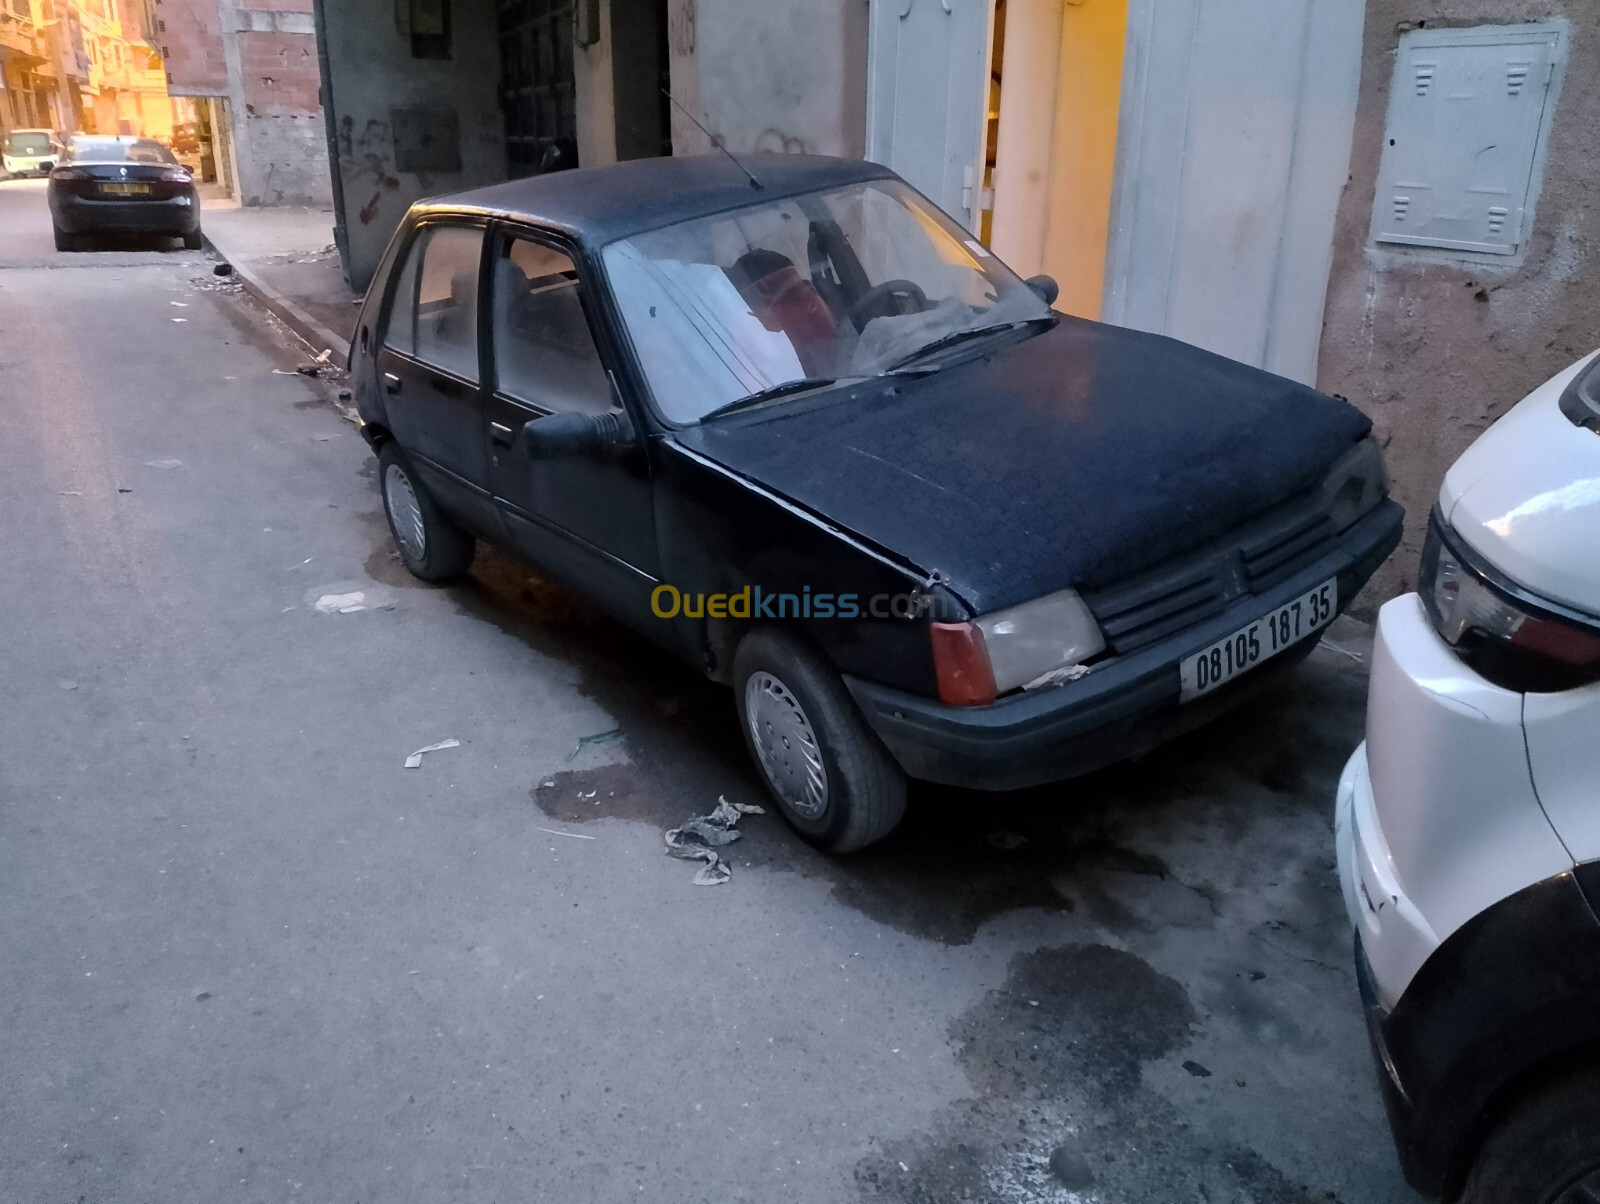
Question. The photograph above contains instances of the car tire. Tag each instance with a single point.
(193, 241)
(848, 791)
(1545, 1151)
(65, 241)
(431, 545)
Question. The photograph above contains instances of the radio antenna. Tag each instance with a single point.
(754, 183)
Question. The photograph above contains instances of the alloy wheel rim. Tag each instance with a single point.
(786, 745)
(405, 513)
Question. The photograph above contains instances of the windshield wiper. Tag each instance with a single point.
(962, 336)
(786, 389)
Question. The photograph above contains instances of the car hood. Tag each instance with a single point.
(1526, 497)
(1072, 458)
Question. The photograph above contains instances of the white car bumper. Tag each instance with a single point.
(1436, 816)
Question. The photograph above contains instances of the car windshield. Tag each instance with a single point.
(27, 143)
(849, 283)
(119, 150)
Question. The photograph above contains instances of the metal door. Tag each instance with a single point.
(538, 88)
(927, 97)
(1232, 150)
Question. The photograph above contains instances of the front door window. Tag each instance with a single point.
(544, 354)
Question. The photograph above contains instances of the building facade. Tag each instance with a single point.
(253, 73)
(81, 65)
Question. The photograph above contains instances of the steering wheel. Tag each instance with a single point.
(875, 296)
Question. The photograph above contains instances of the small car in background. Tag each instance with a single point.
(805, 431)
(30, 152)
(1468, 823)
(122, 185)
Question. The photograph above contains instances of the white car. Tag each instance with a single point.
(1468, 823)
(30, 152)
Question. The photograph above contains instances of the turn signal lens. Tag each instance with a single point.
(962, 665)
(176, 175)
(69, 173)
(1515, 642)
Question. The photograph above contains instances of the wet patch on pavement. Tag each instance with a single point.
(1060, 1109)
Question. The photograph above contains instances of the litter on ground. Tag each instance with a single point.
(343, 604)
(597, 738)
(698, 839)
(163, 463)
(414, 761)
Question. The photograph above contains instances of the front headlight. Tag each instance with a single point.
(1030, 640)
(1580, 401)
(1515, 641)
(1355, 484)
(976, 662)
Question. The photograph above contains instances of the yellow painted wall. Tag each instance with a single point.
(1088, 98)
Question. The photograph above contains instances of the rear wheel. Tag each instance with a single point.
(829, 773)
(432, 546)
(1545, 1151)
(65, 241)
(192, 241)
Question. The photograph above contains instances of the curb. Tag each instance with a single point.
(295, 318)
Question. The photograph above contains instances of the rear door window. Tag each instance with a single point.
(434, 313)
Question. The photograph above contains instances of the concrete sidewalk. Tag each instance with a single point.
(285, 256)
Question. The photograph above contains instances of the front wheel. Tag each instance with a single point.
(829, 773)
(1544, 1151)
(430, 544)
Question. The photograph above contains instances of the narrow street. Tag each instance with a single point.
(248, 956)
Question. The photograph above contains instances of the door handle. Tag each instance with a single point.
(391, 383)
(500, 433)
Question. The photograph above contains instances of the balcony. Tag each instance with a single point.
(18, 39)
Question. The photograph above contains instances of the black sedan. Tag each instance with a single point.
(809, 434)
(106, 185)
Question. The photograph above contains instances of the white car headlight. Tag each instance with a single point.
(1025, 642)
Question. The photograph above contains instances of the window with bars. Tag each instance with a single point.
(537, 84)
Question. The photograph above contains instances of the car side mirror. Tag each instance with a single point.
(1046, 287)
(574, 434)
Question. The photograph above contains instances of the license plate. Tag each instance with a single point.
(125, 189)
(1265, 638)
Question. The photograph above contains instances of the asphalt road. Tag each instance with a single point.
(249, 957)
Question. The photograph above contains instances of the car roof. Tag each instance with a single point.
(597, 205)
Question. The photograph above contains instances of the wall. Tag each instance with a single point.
(262, 57)
(783, 75)
(1436, 351)
(189, 36)
(280, 139)
(371, 73)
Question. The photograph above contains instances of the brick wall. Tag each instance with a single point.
(189, 36)
(279, 71)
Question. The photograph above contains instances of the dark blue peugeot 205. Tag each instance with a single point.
(792, 422)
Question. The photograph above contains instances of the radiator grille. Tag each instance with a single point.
(1139, 610)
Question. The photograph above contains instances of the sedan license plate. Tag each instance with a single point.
(1265, 638)
(125, 189)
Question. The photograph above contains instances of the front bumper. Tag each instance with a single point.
(90, 215)
(1121, 710)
